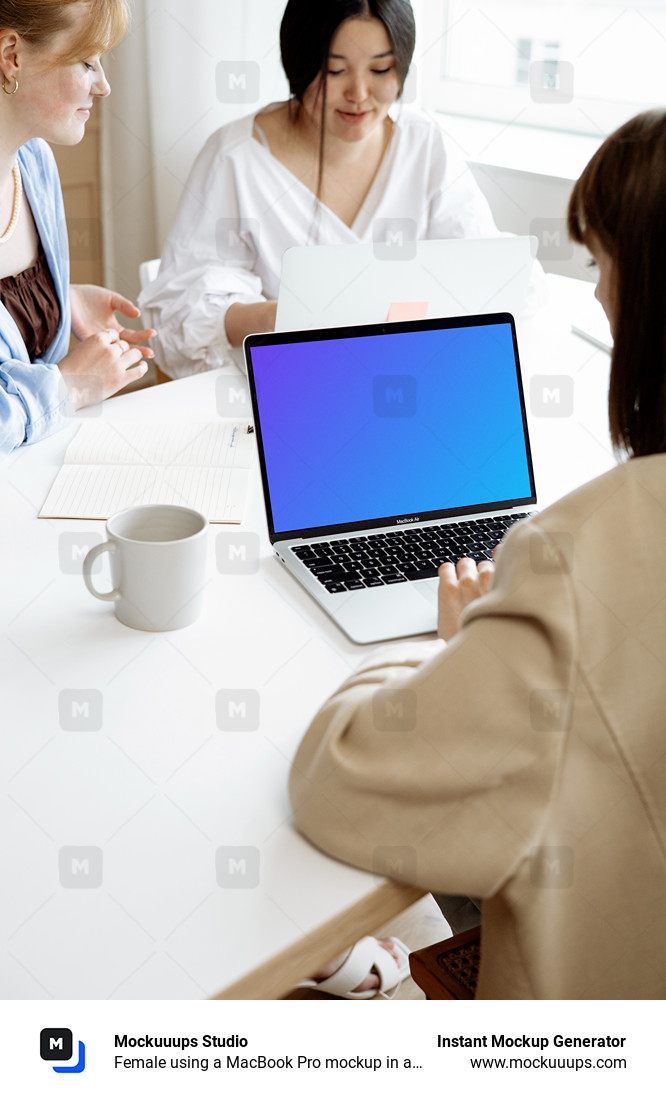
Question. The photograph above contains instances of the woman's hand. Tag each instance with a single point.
(100, 366)
(94, 310)
(242, 318)
(459, 585)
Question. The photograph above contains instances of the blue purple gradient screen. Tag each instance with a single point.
(390, 425)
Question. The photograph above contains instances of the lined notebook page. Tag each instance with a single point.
(109, 467)
(163, 444)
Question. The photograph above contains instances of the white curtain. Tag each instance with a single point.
(186, 68)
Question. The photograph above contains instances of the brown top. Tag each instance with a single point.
(30, 297)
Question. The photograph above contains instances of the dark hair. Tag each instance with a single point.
(308, 27)
(620, 199)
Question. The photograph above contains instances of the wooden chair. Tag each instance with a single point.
(160, 376)
(448, 971)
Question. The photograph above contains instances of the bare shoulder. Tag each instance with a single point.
(275, 124)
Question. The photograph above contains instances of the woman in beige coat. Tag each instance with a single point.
(532, 771)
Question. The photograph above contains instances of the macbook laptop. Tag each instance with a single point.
(384, 451)
(392, 279)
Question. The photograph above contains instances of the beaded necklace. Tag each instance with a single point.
(16, 207)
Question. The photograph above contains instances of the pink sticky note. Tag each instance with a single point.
(408, 311)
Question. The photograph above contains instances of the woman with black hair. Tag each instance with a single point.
(321, 168)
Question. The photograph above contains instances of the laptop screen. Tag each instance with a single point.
(360, 427)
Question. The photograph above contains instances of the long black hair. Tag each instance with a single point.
(307, 28)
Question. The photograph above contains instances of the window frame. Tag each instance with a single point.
(504, 105)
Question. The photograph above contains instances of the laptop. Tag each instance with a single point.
(326, 285)
(384, 451)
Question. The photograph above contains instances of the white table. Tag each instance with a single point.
(136, 802)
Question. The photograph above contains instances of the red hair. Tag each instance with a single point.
(37, 21)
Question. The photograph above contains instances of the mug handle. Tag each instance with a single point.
(88, 563)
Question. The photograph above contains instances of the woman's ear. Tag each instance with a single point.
(10, 50)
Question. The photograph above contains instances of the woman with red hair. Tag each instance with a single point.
(50, 75)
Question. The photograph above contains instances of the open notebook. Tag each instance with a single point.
(111, 466)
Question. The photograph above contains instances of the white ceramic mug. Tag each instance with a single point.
(158, 565)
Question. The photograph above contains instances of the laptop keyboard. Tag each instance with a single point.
(368, 561)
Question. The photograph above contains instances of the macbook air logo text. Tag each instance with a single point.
(409, 519)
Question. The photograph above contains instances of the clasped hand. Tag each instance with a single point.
(108, 356)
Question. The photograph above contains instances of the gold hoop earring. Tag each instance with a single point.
(4, 86)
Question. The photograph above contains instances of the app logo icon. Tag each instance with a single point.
(56, 1045)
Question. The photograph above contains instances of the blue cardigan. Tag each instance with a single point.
(34, 400)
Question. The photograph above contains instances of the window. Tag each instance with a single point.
(583, 66)
(524, 57)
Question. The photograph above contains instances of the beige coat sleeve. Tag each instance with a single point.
(439, 771)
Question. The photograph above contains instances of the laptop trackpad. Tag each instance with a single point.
(392, 611)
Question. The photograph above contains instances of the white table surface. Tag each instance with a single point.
(159, 788)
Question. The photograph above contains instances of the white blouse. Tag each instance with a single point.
(241, 209)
